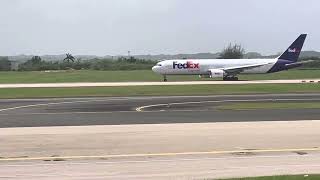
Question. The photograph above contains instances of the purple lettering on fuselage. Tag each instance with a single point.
(187, 65)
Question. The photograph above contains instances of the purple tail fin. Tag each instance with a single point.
(293, 52)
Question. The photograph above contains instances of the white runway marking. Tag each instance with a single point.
(141, 109)
(57, 103)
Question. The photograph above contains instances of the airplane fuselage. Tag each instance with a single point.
(203, 66)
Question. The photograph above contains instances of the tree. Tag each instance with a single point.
(5, 64)
(33, 64)
(36, 60)
(69, 58)
(232, 52)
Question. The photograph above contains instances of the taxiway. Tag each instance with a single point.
(147, 110)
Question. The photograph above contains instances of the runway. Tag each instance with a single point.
(113, 84)
(146, 110)
(175, 168)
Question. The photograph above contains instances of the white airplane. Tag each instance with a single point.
(228, 69)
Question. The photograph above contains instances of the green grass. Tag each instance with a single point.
(284, 177)
(83, 76)
(159, 90)
(291, 74)
(270, 105)
(124, 76)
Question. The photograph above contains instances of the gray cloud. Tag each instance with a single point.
(154, 26)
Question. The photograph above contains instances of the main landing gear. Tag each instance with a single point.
(165, 78)
(230, 78)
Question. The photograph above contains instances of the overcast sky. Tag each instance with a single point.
(112, 27)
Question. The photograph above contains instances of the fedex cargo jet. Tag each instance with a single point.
(228, 69)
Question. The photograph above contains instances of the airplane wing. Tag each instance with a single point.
(238, 69)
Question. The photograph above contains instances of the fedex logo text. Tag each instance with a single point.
(187, 65)
(294, 50)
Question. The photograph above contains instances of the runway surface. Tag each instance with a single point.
(146, 110)
(175, 168)
(112, 84)
(163, 151)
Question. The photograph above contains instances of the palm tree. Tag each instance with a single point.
(69, 58)
(36, 59)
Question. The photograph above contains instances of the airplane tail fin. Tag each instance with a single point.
(293, 52)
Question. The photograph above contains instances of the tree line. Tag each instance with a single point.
(122, 63)
(235, 51)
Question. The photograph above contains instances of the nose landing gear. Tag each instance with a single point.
(165, 78)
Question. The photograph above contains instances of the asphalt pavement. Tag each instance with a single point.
(147, 110)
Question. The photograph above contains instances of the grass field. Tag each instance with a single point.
(159, 90)
(270, 105)
(126, 76)
(286, 177)
(144, 75)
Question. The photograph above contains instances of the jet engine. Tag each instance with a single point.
(216, 73)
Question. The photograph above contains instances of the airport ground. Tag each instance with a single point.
(167, 131)
(160, 89)
(167, 151)
(160, 137)
(128, 83)
(157, 110)
(132, 76)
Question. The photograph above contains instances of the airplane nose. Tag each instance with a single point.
(154, 69)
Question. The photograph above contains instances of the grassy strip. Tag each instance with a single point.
(291, 74)
(270, 105)
(159, 90)
(125, 76)
(284, 177)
